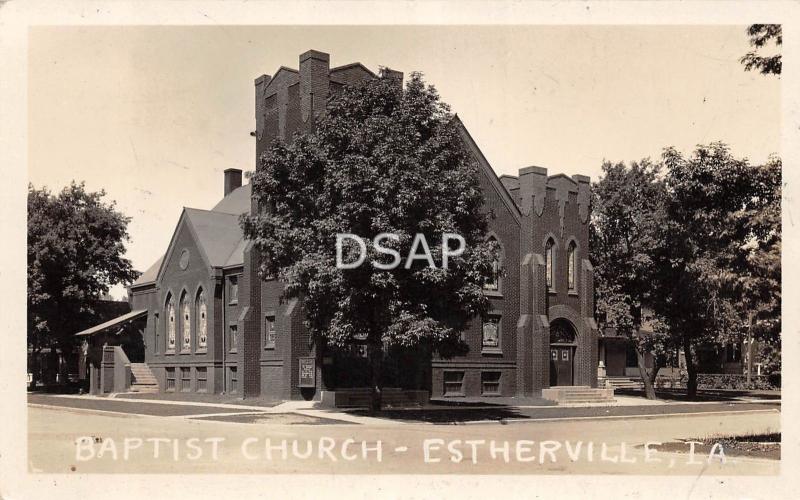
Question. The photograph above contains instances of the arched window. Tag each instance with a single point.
(201, 309)
(571, 265)
(493, 283)
(186, 323)
(548, 261)
(170, 323)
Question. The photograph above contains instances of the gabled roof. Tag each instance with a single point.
(150, 275)
(488, 170)
(217, 234)
(237, 202)
(352, 65)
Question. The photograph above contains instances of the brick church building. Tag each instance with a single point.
(209, 324)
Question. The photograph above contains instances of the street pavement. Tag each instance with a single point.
(78, 435)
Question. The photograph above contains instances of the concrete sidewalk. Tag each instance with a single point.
(467, 412)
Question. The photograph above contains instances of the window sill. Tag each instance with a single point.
(491, 394)
(269, 348)
(493, 293)
(574, 293)
(552, 291)
(169, 353)
(233, 351)
(492, 351)
(453, 395)
(233, 303)
(201, 350)
(185, 352)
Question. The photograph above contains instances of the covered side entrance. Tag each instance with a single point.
(110, 349)
(562, 353)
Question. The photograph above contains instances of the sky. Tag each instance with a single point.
(153, 115)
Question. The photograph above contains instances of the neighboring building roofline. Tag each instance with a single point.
(565, 176)
(353, 65)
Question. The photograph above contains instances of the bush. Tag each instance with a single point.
(721, 381)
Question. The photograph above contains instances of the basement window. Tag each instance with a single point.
(202, 379)
(170, 379)
(186, 379)
(490, 383)
(453, 383)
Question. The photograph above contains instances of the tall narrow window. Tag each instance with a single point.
(571, 265)
(548, 257)
(156, 333)
(269, 332)
(170, 323)
(233, 290)
(186, 323)
(233, 337)
(201, 309)
(493, 283)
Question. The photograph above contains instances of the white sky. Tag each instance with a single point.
(154, 114)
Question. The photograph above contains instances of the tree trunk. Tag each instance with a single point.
(649, 389)
(656, 368)
(749, 352)
(376, 367)
(691, 384)
(34, 367)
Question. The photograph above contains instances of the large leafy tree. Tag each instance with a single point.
(760, 36)
(628, 210)
(712, 199)
(76, 243)
(382, 160)
(759, 282)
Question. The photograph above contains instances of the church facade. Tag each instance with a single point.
(212, 326)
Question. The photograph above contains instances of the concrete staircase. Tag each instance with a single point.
(578, 395)
(632, 383)
(142, 379)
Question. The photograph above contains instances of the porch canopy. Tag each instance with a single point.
(114, 322)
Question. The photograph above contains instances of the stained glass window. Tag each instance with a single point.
(491, 332)
(186, 325)
(202, 322)
(571, 265)
(548, 256)
(170, 323)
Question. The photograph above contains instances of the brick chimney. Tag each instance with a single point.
(233, 179)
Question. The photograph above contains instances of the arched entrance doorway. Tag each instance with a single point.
(562, 352)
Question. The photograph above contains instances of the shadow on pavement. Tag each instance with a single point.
(446, 416)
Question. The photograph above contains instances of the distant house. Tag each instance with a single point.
(62, 366)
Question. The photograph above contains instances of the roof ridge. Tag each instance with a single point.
(209, 211)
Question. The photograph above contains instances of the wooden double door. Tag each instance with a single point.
(562, 365)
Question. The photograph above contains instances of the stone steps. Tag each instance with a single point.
(142, 379)
(622, 383)
(571, 395)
